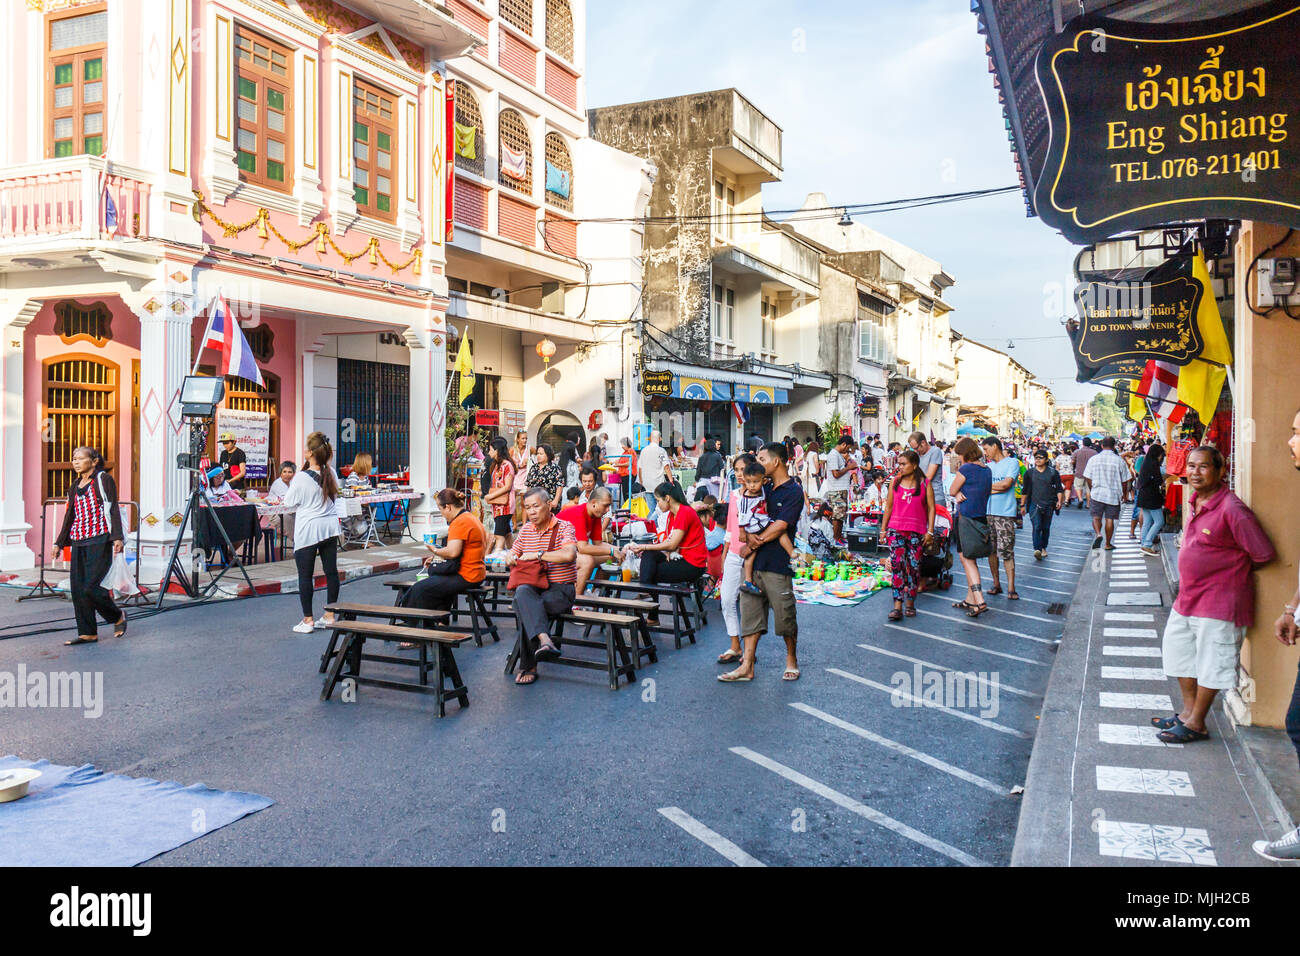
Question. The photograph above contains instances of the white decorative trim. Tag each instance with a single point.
(258, 12)
(361, 59)
(303, 202)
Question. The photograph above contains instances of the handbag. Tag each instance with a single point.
(532, 573)
(973, 536)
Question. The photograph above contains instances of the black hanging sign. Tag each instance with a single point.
(656, 383)
(1155, 123)
(869, 407)
(1122, 325)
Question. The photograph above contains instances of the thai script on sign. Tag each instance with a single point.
(1205, 87)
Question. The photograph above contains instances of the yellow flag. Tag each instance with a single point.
(465, 368)
(467, 141)
(1137, 407)
(1200, 383)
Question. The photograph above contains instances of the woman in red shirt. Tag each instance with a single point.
(685, 536)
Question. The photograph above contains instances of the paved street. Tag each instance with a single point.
(680, 770)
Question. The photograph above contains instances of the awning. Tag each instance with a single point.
(923, 396)
(716, 385)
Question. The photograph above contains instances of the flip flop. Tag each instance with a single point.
(994, 590)
(730, 657)
(731, 678)
(1013, 596)
(81, 640)
(1181, 734)
(791, 673)
(532, 678)
(119, 629)
(547, 653)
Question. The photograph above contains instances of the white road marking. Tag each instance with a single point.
(1130, 584)
(941, 667)
(1127, 616)
(861, 809)
(904, 750)
(1001, 610)
(1142, 841)
(1131, 735)
(1145, 780)
(1129, 632)
(973, 718)
(969, 647)
(1134, 673)
(1160, 702)
(1115, 650)
(706, 836)
(1030, 587)
(987, 627)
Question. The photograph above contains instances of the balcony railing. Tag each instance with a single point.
(756, 129)
(82, 197)
(781, 250)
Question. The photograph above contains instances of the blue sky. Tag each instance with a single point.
(877, 99)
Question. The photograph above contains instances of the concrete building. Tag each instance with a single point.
(902, 303)
(731, 297)
(1080, 412)
(999, 393)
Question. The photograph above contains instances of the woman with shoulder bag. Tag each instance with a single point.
(92, 526)
(314, 492)
(458, 565)
(971, 487)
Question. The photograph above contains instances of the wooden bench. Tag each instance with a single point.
(618, 660)
(639, 607)
(356, 632)
(476, 606)
(353, 611)
(683, 624)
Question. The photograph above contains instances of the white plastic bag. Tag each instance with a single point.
(119, 579)
(632, 564)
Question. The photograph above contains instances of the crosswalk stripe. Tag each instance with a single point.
(942, 667)
(1001, 610)
(708, 837)
(1128, 616)
(969, 647)
(987, 627)
(903, 749)
(898, 691)
(1031, 587)
(1120, 650)
(861, 809)
(1129, 632)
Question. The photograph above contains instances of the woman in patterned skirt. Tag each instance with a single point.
(909, 522)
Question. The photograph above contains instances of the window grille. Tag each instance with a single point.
(559, 28)
(557, 154)
(514, 136)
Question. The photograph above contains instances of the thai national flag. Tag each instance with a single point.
(741, 411)
(224, 333)
(1160, 386)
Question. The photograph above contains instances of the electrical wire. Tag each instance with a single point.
(1251, 268)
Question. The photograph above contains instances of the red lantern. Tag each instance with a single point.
(545, 349)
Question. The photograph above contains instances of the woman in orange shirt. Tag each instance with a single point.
(458, 565)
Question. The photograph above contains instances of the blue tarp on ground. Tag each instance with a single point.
(80, 816)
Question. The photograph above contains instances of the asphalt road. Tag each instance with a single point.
(676, 770)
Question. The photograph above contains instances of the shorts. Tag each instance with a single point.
(778, 594)
(1100, 510)
(501, 526)
(1002, 536)
(1203, 648)
(839, 502)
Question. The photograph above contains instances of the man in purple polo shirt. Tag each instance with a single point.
(1222, 544)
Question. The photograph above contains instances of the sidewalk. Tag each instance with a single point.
(1101, 789)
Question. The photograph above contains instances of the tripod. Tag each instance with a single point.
(175, 569)
(42, 588)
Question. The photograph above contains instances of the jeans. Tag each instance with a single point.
(305, 559)
(1041, 519)
(1293, 717)
(90, 562)
(733, 572)
(1153, 519)
(535, 610)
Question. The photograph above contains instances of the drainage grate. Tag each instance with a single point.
(1057, 608)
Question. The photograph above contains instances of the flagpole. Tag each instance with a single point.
(198, 353)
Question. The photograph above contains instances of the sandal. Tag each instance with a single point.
(910, 611)
(119, 629)
(1166, 723)
(526, 677)
(730, 657)
(731, 677)
(81, 640)
(962, 605)
(1182, 734)
(791, 673)
(1013, 596)
(896, 614)
(977, 610)
(996, 589)
(547, 652)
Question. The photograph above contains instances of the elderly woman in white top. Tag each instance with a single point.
(313, 493)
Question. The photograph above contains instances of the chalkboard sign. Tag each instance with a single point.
(1154, 123)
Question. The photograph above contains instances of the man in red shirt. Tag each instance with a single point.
(588, 525)
(1222, 544)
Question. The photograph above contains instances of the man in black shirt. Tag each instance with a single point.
(1044, 496)
(232, 461)
(772, 572)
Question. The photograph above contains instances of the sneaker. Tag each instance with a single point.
(1150, 552)
(749, 587)
(1285, 849)
(322, 624)
(304, 627)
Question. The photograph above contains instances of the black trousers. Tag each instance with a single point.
(657, 568)
(535, 610)
(305, 559)
(90, 562)
(437, 592)
(1293, 716)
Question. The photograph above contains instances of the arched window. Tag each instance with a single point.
(516, 153)
(468, 117)
(559, 28)
(519, 14)
(559, 172)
